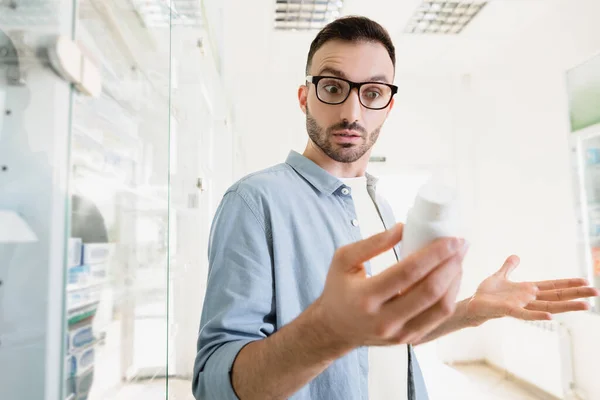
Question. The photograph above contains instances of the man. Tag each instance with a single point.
(298, 305)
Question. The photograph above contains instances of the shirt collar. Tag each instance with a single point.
(317, 176)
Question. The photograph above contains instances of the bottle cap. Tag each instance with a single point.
(435, 202)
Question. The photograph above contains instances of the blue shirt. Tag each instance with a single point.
(271, 243)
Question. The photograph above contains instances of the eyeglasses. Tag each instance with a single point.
(372, 95)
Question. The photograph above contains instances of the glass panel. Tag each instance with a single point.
(589, 160)
(87, 232)
(35, 104)
(201, 170)
(118, 251)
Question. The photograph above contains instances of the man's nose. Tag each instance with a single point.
(351, 109)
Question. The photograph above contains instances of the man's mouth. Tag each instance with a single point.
(347, 137)
(346, 134)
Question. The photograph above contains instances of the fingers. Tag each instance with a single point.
(567, 294)
(529, 315)
(423, 324)
(413, 269)
(561, 284)
(558, 307)
(355, 254)
(425, 294)
(509, 266)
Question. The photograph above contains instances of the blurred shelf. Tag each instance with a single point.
(82, 306)
(81, 131)
(120, 188)
(82, 312)
(110, 116)
(73, 287)
(84, 168)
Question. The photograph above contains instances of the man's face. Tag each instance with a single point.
(346, 132)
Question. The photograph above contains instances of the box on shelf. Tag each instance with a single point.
(77, 298)
(98, 273)
(80, 386)
(81, 314)
(79, 337)
(593, 156)
(74, 252)
(80, 375)
(69, 389)
(86, 275)
(81, 360)
(78, 275)
(96, 253)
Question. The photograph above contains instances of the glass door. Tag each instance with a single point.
(117, 274)
(116, 145)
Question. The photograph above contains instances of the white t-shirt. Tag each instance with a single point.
(388, 366)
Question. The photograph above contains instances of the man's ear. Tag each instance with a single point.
(303, 97)
(390, 106)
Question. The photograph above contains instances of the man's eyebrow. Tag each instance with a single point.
(341, 74)
(379, 78)
(334, 72)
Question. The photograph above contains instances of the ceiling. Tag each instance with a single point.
(253, 47)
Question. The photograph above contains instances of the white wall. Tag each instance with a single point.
(524, 194)
(504, 132)
(523, 183)
(511, 156)
(512, 162)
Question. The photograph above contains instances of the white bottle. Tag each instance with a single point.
(433, 215)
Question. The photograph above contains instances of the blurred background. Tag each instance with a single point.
(123, 122)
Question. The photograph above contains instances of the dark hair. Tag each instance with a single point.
(352, 29)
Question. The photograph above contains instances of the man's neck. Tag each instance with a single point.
(335, 168)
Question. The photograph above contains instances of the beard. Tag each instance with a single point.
(343, 152)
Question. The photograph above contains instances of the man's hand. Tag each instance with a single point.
(498, 297)
(404, 302)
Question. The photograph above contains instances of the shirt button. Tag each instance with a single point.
(354, 222)
(345, 191)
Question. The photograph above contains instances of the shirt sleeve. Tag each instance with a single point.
(239, 302)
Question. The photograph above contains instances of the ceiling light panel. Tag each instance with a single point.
(163, 13)
(305, 14)
(443, 17)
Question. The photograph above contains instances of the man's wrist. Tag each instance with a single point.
(321, 336)
(471, 317)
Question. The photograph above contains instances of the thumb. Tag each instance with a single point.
(509, 266)
(357, 253)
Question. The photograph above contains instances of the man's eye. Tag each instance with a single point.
(332, 89)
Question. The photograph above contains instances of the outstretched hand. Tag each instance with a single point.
(498, 297)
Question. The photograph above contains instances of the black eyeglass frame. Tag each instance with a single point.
(315, 81)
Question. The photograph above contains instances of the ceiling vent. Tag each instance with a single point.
(164, 13)
(443, 17)
(305, 14)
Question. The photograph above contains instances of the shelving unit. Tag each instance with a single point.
(585, 145)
